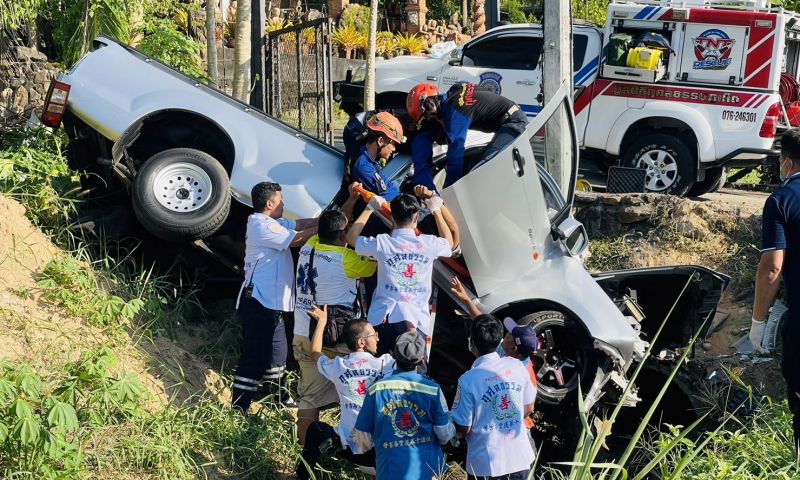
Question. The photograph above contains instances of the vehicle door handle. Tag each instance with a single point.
(526, 82)
(518, 162)
(433, 78)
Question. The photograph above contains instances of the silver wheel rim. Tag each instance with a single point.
(182, 187)
(661, 168)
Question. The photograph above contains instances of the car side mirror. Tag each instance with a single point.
(572, 236)
(454, 62)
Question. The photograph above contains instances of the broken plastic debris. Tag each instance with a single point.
(773, 322)
(743, 345)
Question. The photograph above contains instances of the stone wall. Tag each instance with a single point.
(24, 79)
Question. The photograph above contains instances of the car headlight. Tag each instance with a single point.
(359, 74)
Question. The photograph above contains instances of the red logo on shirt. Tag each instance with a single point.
(405, 420)
(409, 271)
(361, 389)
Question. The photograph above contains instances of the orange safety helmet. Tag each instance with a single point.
(416, 97)
(387, 124)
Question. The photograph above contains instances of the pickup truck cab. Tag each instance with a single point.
(163, 140)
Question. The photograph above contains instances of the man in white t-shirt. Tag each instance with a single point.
(330, 279)
(267, 296)
(405, 264)
(492, 402)
(352, 375)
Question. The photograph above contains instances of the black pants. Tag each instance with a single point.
(523, 475)
(507, 133)
(790, 366)
(263, 356)
(317, 434)
(387, 335)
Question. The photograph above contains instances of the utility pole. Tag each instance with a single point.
(557, 68)
(369, 79)
(211, 40)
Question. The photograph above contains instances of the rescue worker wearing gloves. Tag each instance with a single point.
(780, 254)
(465, 106)
(383, 133)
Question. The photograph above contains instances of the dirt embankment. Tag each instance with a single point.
(722, 232)
(33, 331)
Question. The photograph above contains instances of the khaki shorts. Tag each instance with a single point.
(314, 390)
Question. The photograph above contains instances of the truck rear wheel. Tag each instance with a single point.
(181, 194)
(669, 163)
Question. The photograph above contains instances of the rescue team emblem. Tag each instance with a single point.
(712, 49)
(491, 81)
(503, 407)
(406, 274)
(404, 423)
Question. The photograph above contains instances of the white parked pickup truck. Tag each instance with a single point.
(181, 151)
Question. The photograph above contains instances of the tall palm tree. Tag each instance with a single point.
(241, 53)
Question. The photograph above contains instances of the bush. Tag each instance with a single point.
(410, 44)
(165, 43)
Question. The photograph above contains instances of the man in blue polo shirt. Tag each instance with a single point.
(780, 254)
(405, 417)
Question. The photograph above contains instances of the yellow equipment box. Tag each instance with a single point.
(644, 57)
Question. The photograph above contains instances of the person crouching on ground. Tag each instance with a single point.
(492, 402)
(330, 278)
(405, 417)
(405, 265)
(352, 375)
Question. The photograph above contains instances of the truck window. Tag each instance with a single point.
(497, 53)
(579, 43)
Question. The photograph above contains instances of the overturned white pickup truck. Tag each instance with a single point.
(181, 150)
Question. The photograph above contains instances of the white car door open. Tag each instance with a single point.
(501, 207)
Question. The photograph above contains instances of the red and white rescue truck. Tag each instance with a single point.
(682, 89)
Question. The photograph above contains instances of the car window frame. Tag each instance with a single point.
(499, 37)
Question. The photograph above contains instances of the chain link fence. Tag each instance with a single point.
(298, 84)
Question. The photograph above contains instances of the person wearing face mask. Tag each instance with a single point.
(780, 256)
(352, 375)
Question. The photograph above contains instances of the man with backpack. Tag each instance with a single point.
(327, 274)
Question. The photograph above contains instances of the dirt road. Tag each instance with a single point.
(747, 200)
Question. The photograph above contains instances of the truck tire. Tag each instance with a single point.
(670, 164)
(563, 359)
(715, 179)
(181, 194)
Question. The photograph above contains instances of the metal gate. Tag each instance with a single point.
(298, 86)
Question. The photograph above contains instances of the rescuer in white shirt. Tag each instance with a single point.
(405, 264)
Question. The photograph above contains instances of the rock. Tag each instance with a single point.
(42, 77)
(633, 214)
(19, 102)
(15, 82)
(585, 197)
(632, 200)
(24, 53)
(707, 346)
(611, 199)
(35, 97)
(5, 102)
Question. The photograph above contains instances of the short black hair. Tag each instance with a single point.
(353, 330)
(487, 333)
(263, 192)
(404, 206)
(790, 145)
(331, 222)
